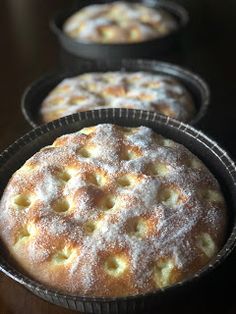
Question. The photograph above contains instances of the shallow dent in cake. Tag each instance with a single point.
(130, 155)
(84, 152)
(61, 206)
(108, 202)
(170, 196)
(158, 169)
(66, 174)
(115, 266)
(206, 244)
(90, 227)
(25, 233)
(137, 227)
(96, 178)
(211, 195)
(162, 272)
(193, 163)
(22, 201)
(126, 181)
(168, 143)
(64, 256)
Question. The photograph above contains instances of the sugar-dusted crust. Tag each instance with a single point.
(119, 22)
(112, 211)
(133, 90)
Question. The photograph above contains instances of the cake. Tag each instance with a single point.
(133, 90)
(112, 211)
(119, 22)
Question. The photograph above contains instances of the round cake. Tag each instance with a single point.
(112, 211)
(132, 90)
(119, 22)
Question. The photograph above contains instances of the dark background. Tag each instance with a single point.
(29, 49)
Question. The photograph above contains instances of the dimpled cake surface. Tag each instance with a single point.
(112, 211)
(132, 90)
(119, 22)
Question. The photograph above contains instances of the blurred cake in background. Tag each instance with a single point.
(119, 22)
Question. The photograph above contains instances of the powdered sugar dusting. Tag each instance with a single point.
(76, 211)
(47, 189)
(138, 90)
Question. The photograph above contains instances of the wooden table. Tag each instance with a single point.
(28, 50)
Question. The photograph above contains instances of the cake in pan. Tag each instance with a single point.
(133, 90)
(112, 211)
(119, 22)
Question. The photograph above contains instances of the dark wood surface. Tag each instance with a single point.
(28, 50)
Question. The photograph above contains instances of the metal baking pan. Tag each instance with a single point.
(146, 49)
(215, 158)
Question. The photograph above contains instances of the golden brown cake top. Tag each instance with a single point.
(110, 211)
(119, 22)
(133, 90)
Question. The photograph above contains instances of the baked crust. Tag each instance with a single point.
(133, 90)
(119, 22)
(111, 211)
